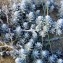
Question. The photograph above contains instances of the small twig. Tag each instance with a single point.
(54, 39)
(5, 45)
(1, 21)
(47, 10)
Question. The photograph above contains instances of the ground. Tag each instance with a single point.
(6, 60)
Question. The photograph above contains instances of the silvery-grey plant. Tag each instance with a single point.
(61, 9)
(30, 33)
(60, 60)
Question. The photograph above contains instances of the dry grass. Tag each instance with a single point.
(6, 60)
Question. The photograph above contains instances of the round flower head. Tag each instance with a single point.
(25, 25)
(31, 40)
(60, 23)
(38, 45)
(35, 54)
(31, 16)
(38, 61)
(42, 33)
(47, 3)
(59, 26)
(60, 60)
(53, 58)
(19, 60)
(33, 7)
(58, 53)
(4, 26)
(22, 53)
(14, 20)
(32, 26)
(38, 27)
(61, 9)
(21, 41)
(48, 20)
(52, 30)
(39, 22)
(37, 12)
(16, 13)
(44, 53)
(14, 6)
(26, 35)
(7, 36)
(39, 19)
(23, 6)
(45, 29)
(52, 8)
(50, 4)
(18, 30)
(14, 53)
(29, 46)
(34, 34)
(58, 31)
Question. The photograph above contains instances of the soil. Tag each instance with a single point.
(6, 60)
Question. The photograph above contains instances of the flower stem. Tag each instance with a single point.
(49, 43)
(47, 10)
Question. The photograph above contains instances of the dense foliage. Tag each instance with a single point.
(28, 27)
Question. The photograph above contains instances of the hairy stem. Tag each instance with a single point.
(49, 43)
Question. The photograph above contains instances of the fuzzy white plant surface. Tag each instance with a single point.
(29, 46)
(59, 26)
(38, 45)
(53, 58)
(19, 60)
(18, 30)
(39, 22)
(35, 54)
(23, 6)
(44, 53)
(30, 31)
(38, 61)
(60, 23)
(60, 60)
(14, 53)
(49, 4)
(4, 26)
(48, 20)
(61, 9)
(31, 16)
